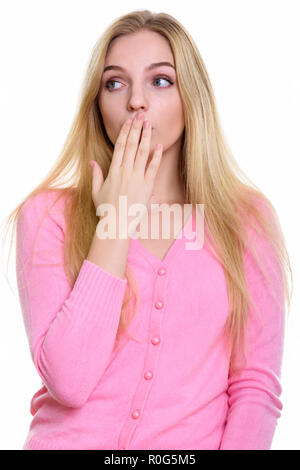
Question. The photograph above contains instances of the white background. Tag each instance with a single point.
(251, 54)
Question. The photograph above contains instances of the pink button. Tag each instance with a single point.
(159, 304)
(136, 414)
(148, 375)
(155, 340)
(162, 271)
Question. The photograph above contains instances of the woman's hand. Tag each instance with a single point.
(127, 174)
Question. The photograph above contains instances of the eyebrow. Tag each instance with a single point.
(150, 67)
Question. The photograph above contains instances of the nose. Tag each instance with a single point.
(137, 100)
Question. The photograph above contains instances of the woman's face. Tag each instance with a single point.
(123, 93)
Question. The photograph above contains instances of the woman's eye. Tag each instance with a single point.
(155, 80)
(163, 78)
(110, 81)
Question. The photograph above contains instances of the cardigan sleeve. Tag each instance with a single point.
(71, 331)
(254, 396)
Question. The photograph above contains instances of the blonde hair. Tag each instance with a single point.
(207, 169)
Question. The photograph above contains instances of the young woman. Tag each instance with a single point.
(200, 366)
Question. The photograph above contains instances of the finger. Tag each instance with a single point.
(144, 148)
(97, 176)
(132, 143)
(153, 165)
(120, 144)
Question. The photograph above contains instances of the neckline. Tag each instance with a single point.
(170, 254)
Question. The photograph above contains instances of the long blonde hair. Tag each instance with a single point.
(206, 167)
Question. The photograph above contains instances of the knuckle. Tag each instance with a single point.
(132, 137)
(136, 174)
(125, 173)
(142, 150)
(131, 145)
(152, 166)
(134, 134)
(144, 146)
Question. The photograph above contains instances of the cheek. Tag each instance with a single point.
(110, 119)
(106, 110)
(106, 107)
(173, 121)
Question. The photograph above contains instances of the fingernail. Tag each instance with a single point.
(92, 164)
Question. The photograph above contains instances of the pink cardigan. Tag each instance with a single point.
(171, 389)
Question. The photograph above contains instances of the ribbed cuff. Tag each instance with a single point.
(98, 295)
